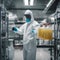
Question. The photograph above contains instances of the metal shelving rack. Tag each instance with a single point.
(57, 39)
(3, 33)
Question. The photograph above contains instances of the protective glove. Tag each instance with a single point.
(33, 31)
(14, 29)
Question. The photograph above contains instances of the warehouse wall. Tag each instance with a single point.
(36, 13)
(38, 4)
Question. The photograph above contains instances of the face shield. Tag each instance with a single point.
(28, 18)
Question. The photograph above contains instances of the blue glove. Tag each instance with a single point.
(14, 29)
(33, 31)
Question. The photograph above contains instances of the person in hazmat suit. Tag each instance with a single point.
(29, 36)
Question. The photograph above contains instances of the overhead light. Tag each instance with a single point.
(49, 3)
(26, 2)
(31, 2)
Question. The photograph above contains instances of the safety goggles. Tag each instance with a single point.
(27, 16)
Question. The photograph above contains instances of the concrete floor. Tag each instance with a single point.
(42, 54)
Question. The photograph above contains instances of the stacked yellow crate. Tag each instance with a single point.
(45, 34)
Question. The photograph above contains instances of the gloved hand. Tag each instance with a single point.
(14, 29)
(33, 31)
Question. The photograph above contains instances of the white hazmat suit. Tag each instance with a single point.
(29, 38)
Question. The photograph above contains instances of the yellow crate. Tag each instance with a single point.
(45, 34)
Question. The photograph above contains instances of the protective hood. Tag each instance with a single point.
(28, 12)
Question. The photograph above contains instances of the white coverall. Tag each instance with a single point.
(29, 38)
